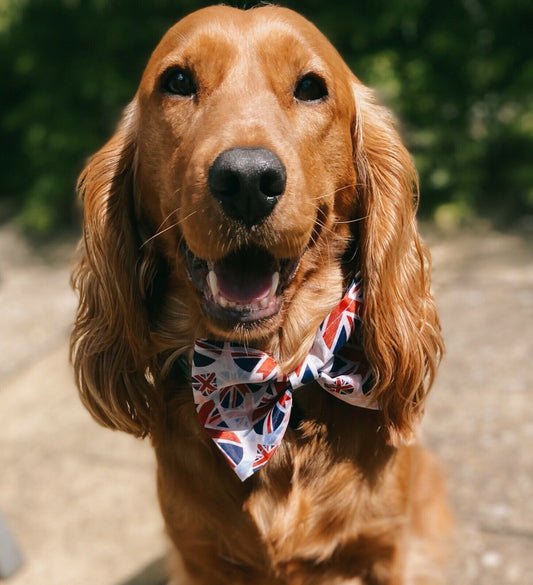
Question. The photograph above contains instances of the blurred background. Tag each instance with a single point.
(80, 500)
(459, 75)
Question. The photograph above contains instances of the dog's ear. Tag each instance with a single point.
(109, 343)
(401, 330)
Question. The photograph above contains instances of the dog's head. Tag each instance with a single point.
(250, 177)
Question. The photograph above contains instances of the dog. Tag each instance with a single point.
(256, 207)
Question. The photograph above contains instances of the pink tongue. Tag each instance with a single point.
(243, 288)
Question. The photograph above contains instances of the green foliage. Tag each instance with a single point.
(68, 68)
(459, 74)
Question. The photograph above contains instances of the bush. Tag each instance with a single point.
(458, 74)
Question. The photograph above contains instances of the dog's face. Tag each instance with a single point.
(246, 164)
(251, 176)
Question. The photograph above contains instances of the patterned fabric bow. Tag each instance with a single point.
(244, 401)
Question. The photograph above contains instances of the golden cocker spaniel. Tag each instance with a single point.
(253, 194)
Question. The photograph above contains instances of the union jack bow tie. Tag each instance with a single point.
(244, 401)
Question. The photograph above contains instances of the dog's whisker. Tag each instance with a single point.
(167, 218)
(355, 220)
(175, 224)
(326, 228)
(329, 193)
(176, 191)
(195, 211)
(159, 233)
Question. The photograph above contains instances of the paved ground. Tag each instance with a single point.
(480, 417)
(81, 499)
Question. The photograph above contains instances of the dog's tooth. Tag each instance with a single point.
(213, 283)
(263, 303)
(223, 302)
(275, 283)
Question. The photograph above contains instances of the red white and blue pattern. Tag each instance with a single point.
(244, 401)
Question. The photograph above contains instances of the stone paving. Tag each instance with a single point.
(81, 499)
(480, 414)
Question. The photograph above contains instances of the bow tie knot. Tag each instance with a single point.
(244, 400)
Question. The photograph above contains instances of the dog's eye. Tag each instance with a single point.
(310, 88)
(179, 82)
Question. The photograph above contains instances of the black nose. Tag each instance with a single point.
(248, 182)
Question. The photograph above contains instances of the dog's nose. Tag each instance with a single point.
(248, 182)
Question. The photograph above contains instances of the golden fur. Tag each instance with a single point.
(347, 498)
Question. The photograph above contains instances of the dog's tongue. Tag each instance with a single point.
(245, 276)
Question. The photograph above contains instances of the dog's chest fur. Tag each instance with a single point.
(318, 507)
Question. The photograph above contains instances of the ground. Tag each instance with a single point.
(81, 501)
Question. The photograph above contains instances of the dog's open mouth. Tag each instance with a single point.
(243, 287)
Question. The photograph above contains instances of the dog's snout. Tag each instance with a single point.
(248, 182)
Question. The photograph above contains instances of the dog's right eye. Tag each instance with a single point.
(178, 82)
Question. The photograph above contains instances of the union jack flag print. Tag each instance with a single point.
(244, 401)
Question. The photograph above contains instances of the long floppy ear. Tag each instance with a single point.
(402, 337)
(109, 343)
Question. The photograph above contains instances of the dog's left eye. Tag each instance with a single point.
(310, 88)
(179, 82)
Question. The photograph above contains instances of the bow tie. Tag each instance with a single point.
(244, 401)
